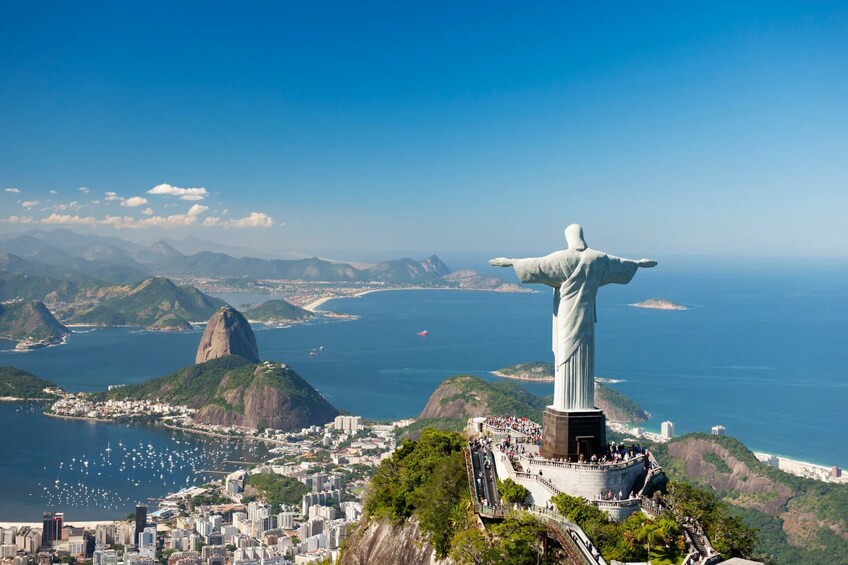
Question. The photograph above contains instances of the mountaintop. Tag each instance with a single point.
(227, 333)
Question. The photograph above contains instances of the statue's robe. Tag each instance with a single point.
(575, 277)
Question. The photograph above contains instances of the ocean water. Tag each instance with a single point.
(761, 350)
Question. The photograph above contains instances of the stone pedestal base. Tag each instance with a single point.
(568, 434)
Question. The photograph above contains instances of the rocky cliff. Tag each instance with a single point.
(227, 333)
(376, 542)
(273, 397)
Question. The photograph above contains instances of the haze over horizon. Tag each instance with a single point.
(366, 131)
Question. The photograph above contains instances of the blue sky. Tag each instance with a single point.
(664, 128)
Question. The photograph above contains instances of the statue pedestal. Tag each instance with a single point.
(567, 434)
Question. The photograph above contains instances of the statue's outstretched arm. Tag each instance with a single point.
(501, 262)
(646, 263)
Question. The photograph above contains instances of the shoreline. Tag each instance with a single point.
(223, 436)
(313, 305)
(86, 418)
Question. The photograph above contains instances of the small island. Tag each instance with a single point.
(659, 304)
(537, 371)
(277, 311)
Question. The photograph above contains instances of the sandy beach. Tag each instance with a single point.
(519, 378)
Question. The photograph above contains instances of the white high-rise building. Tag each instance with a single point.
(285, 520)
(347, 423)
(667, 430)
(718, 430)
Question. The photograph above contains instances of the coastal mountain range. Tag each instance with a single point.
(67, 255)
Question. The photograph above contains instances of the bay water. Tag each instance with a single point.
(762, 349)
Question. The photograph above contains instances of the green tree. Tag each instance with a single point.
(512, 492)
(472, 546)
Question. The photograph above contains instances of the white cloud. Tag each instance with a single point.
(211, 221)
(147, 211)
(172, 221)
(14, 190)
(53, 191)
(181, 193)
(254, 220)
(68, 219)
(18, 220)
(84, 189)
(30, 204)
(134, 202)
(94, 202)
(197, 209)
(112, 196)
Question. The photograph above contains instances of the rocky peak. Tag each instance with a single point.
(227, 333)
(433, 264)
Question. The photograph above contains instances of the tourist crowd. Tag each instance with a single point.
(524, 426)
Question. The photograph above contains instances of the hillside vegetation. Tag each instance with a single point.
(799, 520)
(276, 490)
(30, 321)
(17, 383)
(233, 391)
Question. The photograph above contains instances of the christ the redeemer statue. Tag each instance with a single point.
(575, 274)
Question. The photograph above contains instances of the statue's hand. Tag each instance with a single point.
(647, 263)
(500, 262)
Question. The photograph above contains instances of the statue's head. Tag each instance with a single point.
(574, 237)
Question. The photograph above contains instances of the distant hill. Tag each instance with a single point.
(277, 311)
(799, 520)
(155, 303)
(157, 252)
(222, 265)
(19, 384)
(408, 271)
(466, 396)
(469, 279)
(30, 322)
(233, 391)
(99, 261)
